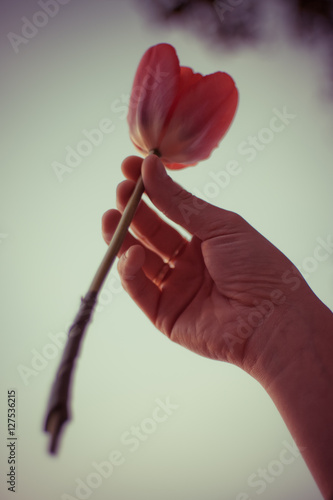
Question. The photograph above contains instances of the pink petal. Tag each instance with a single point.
(188, 78)
(155, 87)
(177, 166)
(202, 116)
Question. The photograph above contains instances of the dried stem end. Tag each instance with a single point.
(57, 411)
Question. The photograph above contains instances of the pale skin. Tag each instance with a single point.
(230, 295)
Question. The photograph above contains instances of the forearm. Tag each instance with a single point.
(296, 370)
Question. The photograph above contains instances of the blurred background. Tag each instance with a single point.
(67, 68)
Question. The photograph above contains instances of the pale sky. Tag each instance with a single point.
(220, 428)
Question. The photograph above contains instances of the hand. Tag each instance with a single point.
(224, 292)
(227, 293)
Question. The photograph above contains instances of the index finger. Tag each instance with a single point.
(131, 167)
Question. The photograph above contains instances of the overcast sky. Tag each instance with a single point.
(66, 70)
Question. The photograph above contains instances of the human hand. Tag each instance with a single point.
(225, 292)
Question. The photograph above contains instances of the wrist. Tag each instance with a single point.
(302, 327)
(295, 368)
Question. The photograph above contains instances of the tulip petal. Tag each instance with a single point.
(201, 117)
(155, 87)
(188, 78)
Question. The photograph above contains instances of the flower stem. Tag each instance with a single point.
(57, 411)
(118, 237)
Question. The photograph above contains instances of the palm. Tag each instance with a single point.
(218, 296)
(210, 302)
(186, 312)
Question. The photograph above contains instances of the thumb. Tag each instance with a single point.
(195, 215)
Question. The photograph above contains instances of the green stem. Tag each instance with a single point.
(58, 406)
(118, 237)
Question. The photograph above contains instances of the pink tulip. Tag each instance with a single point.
(176, 113)
(180, 116)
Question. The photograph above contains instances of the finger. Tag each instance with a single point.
(110, 221)
(153, 263)
(195, 215)
(143, 291)
(149, 227)
(131, 167)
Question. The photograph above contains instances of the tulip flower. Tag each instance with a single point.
(180, 116)
(176, 113)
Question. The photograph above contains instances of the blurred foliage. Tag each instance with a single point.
(234, 22)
